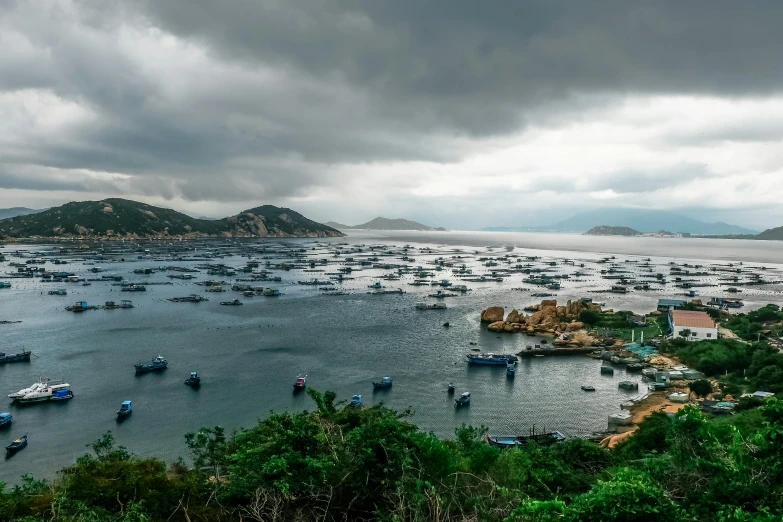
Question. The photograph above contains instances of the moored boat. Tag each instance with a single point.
(517, 441)
(356, 401)
(126, 408)
(233, 302)
(15, 357)
(300, 383)
(462, 400)
(193, 380)
(490, 359)
(61, 395)
(157, 364)
(42, 391)
(587, 387)
(386, 382)
(451, 388)
(17, 444)
(433, 306)
(511, 369)
(6, 419)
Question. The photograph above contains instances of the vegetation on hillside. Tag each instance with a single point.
(341, 463)
(604, 230)
(124, 218)
(765, 322)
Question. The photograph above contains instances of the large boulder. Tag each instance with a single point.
(493, 314)
(514, 317)
(497, 326)
(548, 302)
(574, 326)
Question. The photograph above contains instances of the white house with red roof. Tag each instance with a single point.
(699, 324)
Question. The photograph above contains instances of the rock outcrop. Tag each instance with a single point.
(548, 319)
(493, 314)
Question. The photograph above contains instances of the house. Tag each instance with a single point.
(699, 324)
(664, 305)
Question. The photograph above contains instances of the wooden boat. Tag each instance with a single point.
(300, 383)
(451, 388)
(386, 382)
(517, 441)
(17, 357)
(462, 400)
(17, 445)
(587, 387)
(356, 401)
(157, 364)
(6, 419)
(511, 369)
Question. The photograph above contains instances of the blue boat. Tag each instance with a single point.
(463, 400)
(16, 445)
(126, 408)
(157, 364)
(491, 359)
(16, 357)
(386, 382)
(61, 395)
(356, 401)
(6, 419)
(511, 369)
(194, 381)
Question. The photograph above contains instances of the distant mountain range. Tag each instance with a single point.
(116, 218)
(6, 213)
(603, 230)
(772, 234)
(381, 223)
(638, 219)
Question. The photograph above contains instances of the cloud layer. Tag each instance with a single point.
(458, 113)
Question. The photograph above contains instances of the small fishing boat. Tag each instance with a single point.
(6, 419)
(194, 381)
(462, 400)
(587, 387)
(451, 388)
(300, 383)
(17, 445)
(16, 357)
(157, 364)
(386, 382)
(511, 369)
(233, 302)
(516, 441)
(356, 401)
(490, 359)
(126, 408)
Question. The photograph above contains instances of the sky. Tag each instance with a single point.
(455, 113)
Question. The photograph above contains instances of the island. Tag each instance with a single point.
(382, 223)
(116, 218)
(605, 230)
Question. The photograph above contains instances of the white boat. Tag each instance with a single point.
(41, 384)
(44, 393)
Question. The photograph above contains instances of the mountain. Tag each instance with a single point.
(642, 220)
(382, 223)
(603, 230)
(116, 218)
(772, 234)
(6, 213)
(336, 225)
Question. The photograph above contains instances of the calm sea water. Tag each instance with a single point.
(249, 356)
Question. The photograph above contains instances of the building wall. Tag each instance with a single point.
(701, 333)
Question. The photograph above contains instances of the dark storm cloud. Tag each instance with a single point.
(354, 82)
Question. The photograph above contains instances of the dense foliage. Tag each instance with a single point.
(751, 365)
(757, 325)
(341, 463)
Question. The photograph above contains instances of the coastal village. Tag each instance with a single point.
(569, 307)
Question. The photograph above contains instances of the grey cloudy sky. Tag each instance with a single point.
(454, 112)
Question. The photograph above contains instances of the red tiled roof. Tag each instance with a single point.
(692, 319)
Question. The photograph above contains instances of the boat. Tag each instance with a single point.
(233, 302)
(587, 387)
(6, 419)
(491, 359)
(300, 383)
(517, 441)
(451, 388)
(157, 364)
(15, 357)
(386, 382)
(42, 391)
(193, 380)
(126, 408)
(462, 400)
(434, 306)
(61, 395)
(356, 401)
(511, 369)
(17, 445)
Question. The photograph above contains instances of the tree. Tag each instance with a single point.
(701, 387)
(685, 333)
(590, 317)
